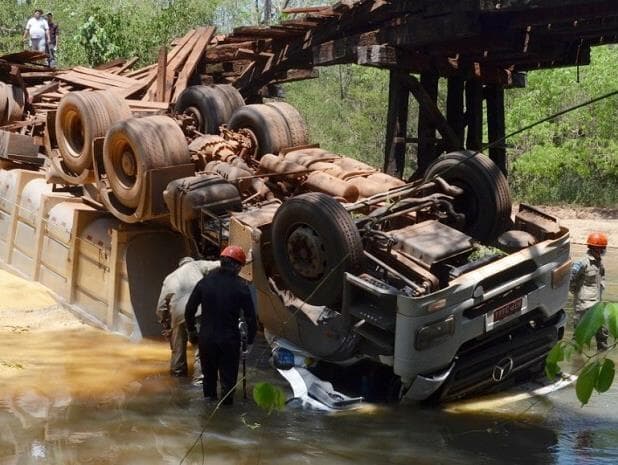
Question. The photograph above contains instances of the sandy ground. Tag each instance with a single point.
(45, 347)
(25, 307)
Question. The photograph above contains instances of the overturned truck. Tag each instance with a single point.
(434, 279)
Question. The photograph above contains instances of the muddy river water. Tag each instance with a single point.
(71, 394)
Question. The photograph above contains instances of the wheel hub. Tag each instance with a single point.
(127, 163)
(307, 253)
(196, 117)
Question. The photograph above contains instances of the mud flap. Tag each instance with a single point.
(150, 258)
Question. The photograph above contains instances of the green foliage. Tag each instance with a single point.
(99, 30)
(612, 319)
(268, 397)
(586, 381)
(573, 159)
(589, 325)
(605, 377)
(598, 372)
(96, 42)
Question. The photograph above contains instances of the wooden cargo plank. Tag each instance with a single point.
(175, 57)
(111, 64)
(102, 75)
(148, 105)
(37, 92)
(86, 81)
(159, 93)
(205, 34)
(126, 66)
(144, 70)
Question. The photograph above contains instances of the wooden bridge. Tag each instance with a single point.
(480, 46)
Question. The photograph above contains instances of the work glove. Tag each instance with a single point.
(248, 349)
(193, 339)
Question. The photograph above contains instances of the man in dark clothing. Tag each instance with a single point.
(52, 45)
(223, 295)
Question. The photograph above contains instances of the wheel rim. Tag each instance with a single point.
(124, 163)
(74, 133)
(196, 116)
(306, 252)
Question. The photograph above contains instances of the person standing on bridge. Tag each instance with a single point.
(223, 296)
(175, 292)
(588, 281)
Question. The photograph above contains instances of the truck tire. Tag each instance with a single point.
(266, 124)
(211, 106)
(295, 123)
(314, 243)
(16, 102)
(486, 201)
(4, 104)
(82, 117)
(233, 96)
(134, 146)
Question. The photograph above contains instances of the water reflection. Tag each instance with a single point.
(90, 397)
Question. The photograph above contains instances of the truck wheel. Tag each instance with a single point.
(295, 123)
(82, 117)
(233, 96)
(314, 243)
(267, 126)
(486, 201)
(4, 104)
(137, 145)
(210, 106)
(15, 103)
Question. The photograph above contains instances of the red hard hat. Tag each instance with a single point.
(597, 239)
(235, 253)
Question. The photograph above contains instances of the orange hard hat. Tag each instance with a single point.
(235, 253)
(597, 239)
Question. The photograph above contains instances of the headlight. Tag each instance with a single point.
(435, 333)
(560, 274)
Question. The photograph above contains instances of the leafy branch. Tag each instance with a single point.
(598, 371)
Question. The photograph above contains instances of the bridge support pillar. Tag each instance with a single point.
(396, 125)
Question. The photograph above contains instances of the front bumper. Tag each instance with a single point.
(492, 361)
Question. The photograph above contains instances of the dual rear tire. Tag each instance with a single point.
(137, 145)
(82, 117)
(210, 106)
(273, 126)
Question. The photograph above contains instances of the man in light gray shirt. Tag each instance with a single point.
(37, 31)
(175, 292)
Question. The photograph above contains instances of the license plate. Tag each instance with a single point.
(505, 312)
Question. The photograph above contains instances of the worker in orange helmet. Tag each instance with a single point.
(223, 296)
(588, 281)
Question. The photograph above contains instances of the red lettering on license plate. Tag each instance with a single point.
(507, 310)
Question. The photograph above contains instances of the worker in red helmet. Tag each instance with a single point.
(224, 296)
(588, 281)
